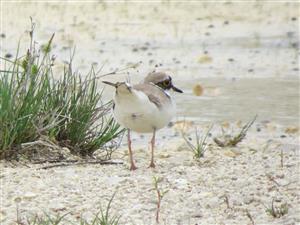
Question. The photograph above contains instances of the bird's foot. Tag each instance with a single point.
(152, 165)
(133, 167)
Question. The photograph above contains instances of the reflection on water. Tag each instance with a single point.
(240, 99)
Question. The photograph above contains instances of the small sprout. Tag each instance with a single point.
(105, 217)
(46, 219)
(230, 140)
(201, 146)
(160, 194)
(279, 211)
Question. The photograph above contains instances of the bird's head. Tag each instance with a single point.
(161, 79)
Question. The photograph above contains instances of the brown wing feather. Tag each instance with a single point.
(155, 94)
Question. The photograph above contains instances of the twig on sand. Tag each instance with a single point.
(56, 161)
(277, 211)
(271, 178)
(237, 209)
(78, 162)
(250, 217)
(226, 200)
(281, 158)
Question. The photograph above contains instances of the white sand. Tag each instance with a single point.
(197, 189)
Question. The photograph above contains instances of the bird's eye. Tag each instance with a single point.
(166, 83)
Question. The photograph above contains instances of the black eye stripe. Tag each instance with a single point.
(165, 84)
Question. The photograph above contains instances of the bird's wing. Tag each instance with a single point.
(155, 94)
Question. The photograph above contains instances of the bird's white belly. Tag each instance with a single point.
(141, 115)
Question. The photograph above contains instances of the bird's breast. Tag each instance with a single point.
(139, 114)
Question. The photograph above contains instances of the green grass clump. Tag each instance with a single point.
(103, 217)
(33, 104)
(44, 220)
(200, 145)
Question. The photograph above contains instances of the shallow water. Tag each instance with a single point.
(241, 99)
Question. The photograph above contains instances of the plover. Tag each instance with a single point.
(145, 107)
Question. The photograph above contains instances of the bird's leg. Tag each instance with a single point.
(152, 150)
(132, 166)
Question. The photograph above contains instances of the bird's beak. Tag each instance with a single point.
(176, 89)
(110, 83)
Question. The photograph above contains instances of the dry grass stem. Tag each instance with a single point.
(230, 140)
(277, 211)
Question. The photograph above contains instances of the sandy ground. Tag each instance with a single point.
(249, 176)
(247, 62)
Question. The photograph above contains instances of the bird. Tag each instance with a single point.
(144, 107)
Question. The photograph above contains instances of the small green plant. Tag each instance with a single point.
(104, 217)
(277, 211)
(44, 220)
(200, 146)
(160, 194)
(229, 140)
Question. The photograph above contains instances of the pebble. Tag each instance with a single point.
(248, 200)
(205, 59)
(198, 90)
(144, 48)
(164, 155)
(214, 202)
(291, 130)
(8, 55)
(29, 195)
